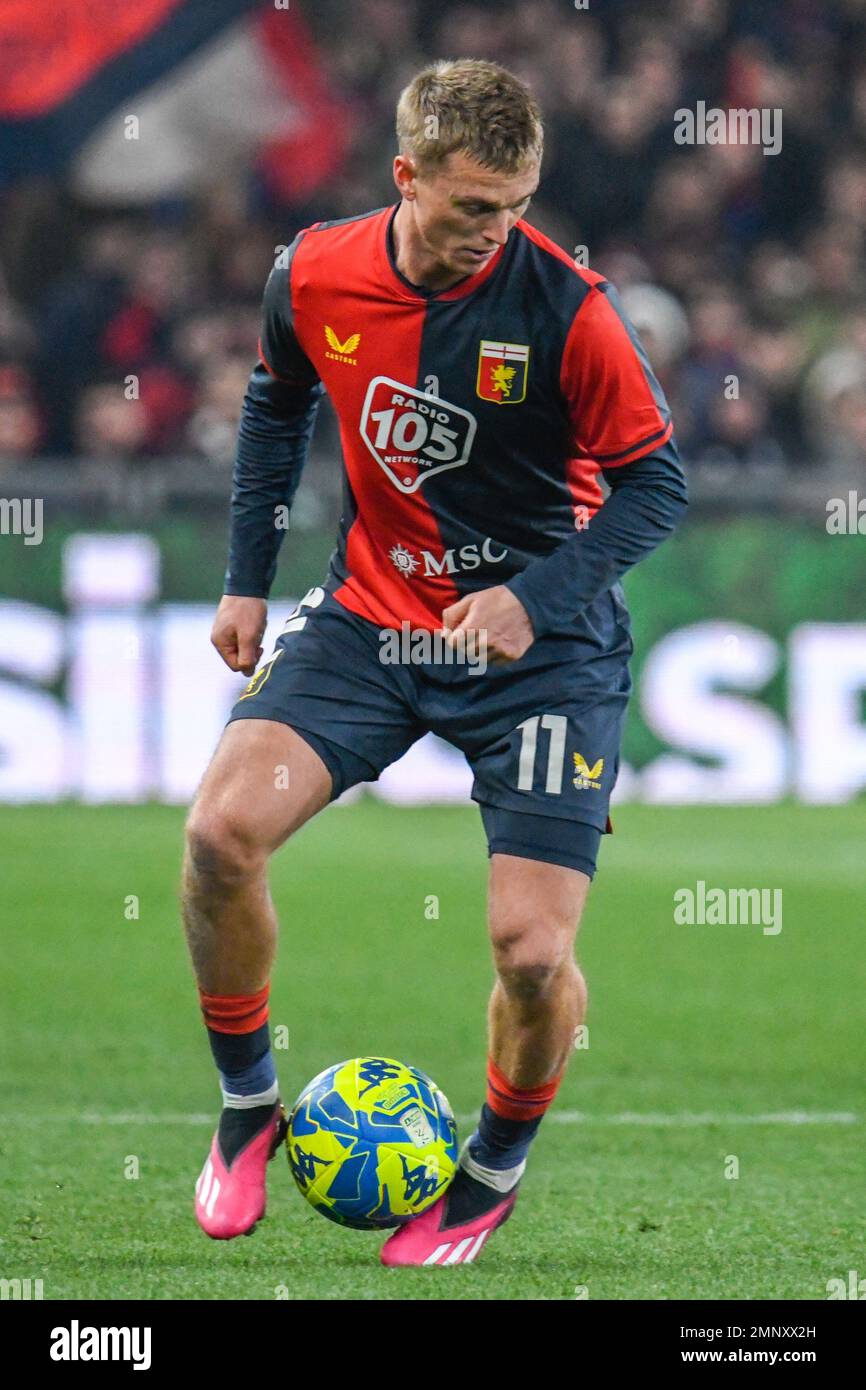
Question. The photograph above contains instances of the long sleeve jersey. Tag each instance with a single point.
(474, 421)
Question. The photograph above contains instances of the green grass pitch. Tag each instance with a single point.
(704, 1044)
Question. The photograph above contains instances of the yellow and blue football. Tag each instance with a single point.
(372, 1142)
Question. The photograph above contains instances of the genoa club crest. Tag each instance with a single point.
(502, 372)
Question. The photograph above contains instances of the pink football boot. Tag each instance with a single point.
(425, 1240)
(229, 1201)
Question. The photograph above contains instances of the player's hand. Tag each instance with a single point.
(498, 619)
(237, 632)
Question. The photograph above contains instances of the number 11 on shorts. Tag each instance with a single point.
(556, 724)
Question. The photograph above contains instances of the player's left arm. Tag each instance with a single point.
(621, 420)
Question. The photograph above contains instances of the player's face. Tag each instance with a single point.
(464, 212)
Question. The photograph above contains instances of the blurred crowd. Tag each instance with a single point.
(130, 336)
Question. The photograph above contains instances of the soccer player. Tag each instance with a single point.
(482, 381)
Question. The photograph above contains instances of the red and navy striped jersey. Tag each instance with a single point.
(474, 421)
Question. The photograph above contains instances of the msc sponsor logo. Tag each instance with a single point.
(403, 560)
(586, 776)
(467, 557)
(414, 434)
(342, 352)
(502, 369)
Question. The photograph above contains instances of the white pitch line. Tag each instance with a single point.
(688, 1121)
(649, 1119)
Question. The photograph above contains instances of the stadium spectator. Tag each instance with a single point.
(213, 429)
(110, 424)
(20, 425)
(741, 263)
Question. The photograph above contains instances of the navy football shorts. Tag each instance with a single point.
(541, 735)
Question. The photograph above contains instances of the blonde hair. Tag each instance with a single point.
(479, 108)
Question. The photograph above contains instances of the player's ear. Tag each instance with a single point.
(405, 174)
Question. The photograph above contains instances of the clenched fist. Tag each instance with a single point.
(499, 619)
(237, 631)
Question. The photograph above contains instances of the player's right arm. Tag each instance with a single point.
(277, 419)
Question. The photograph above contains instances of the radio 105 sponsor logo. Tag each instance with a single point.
(414, 434)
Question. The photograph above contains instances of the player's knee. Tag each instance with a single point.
(220, 849)
(529, 959)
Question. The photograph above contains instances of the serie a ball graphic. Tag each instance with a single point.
(372, 1142)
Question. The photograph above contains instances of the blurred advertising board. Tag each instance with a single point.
(750, 670)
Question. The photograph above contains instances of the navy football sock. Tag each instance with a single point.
(499, 1143)
(494, 1158)
(491, 1165)
(245, 1063)
(239, 1036)
(249, 1086)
